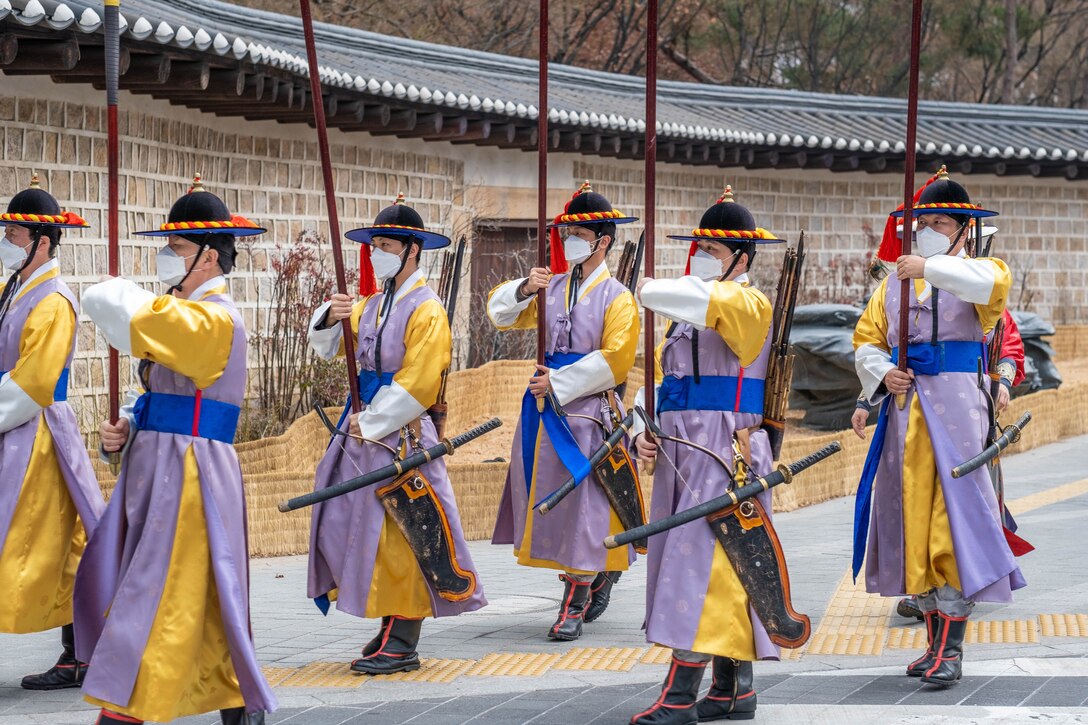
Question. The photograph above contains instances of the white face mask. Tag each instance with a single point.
(170, 267)
(11, 255)
(576, 249)
(706, 266)
(385, 264)
(931, 242)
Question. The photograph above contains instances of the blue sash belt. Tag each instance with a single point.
(187, 415)
(953, 356)
(712, 392)
(557, 429)
(60, 393)
(369, 385)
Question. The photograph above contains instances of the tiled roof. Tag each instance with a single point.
(698, 123)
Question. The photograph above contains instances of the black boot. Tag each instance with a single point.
(568, 627)
(111, 718)
(908, 608)
(68, 672)
(676, 704)
(731, 696)
(600, 592)
(923, 663)
(239, 716)
(376, 644)
(947, 666)
(397, 650)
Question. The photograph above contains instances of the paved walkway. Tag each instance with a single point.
(1027, 661)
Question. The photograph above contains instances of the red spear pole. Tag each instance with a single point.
(330, 195)
(542, 174)
(112, 42)
(651, 167)
(905, 289)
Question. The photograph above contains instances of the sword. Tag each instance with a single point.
(396, 468)
(551, 501)
(783, 474)
(1010, 435)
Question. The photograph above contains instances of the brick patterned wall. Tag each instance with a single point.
(266, 172)
(1042, 234)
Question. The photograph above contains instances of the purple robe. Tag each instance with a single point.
(573, 534)
(345, 531)
(957, 418)
(679, 561)
(17, 444)
(126, 563)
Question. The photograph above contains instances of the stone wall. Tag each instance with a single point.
(1042, 227)
(270, 172)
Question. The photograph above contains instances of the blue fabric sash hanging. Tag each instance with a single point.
(558, 431)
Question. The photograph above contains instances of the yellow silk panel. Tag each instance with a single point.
(44, 346)
(619, 340)
(737, 313)
(397, 586)
(725, 626)
(186, 667)
(427, 344)
(192, 338)
(44, 544)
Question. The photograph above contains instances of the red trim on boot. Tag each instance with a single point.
(660, 702)
(116, 716)
(563, 616)
(745, 696)
(937, 653)
(931, 624)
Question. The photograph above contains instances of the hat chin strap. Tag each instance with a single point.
(732, 266)
(10, 288)
(177, 287)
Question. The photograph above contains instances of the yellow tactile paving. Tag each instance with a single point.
(513, 664)
(276, 675)
(433, 671)
(614, 659)
(855, 623)
(1047, 497)
(1002, 631)
(657, 656)
(906, 638)
(323, 674)
(1063, 625)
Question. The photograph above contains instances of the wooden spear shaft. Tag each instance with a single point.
(649, 215)
(906, 286)
(112, 41)
(542, 175)
(330, 194)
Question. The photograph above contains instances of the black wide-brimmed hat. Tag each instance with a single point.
(34, 206)
(728, 221)
(588, 207)
(945, 196)
(399, 221)
(202, 212)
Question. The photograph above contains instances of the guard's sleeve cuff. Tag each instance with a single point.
(504, 307)
(390, 410)
(587, 376)
(325, 341)
(111, 305)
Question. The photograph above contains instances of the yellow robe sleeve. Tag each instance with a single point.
(990, 312)
(506, 312)
(619, 340)
(872, 328)
(427, 343)
(742, 316)
(191, 338)
(44, 346)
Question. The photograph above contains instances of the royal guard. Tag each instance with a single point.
(50, 501)
(162, 595)
(929, 535)
(1009, 372)
(363, 545)
(711, 369)
(591, 329)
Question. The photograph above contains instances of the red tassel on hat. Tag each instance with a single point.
(558, 258)
(368, 284)
(891, 246)
(691, 253)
